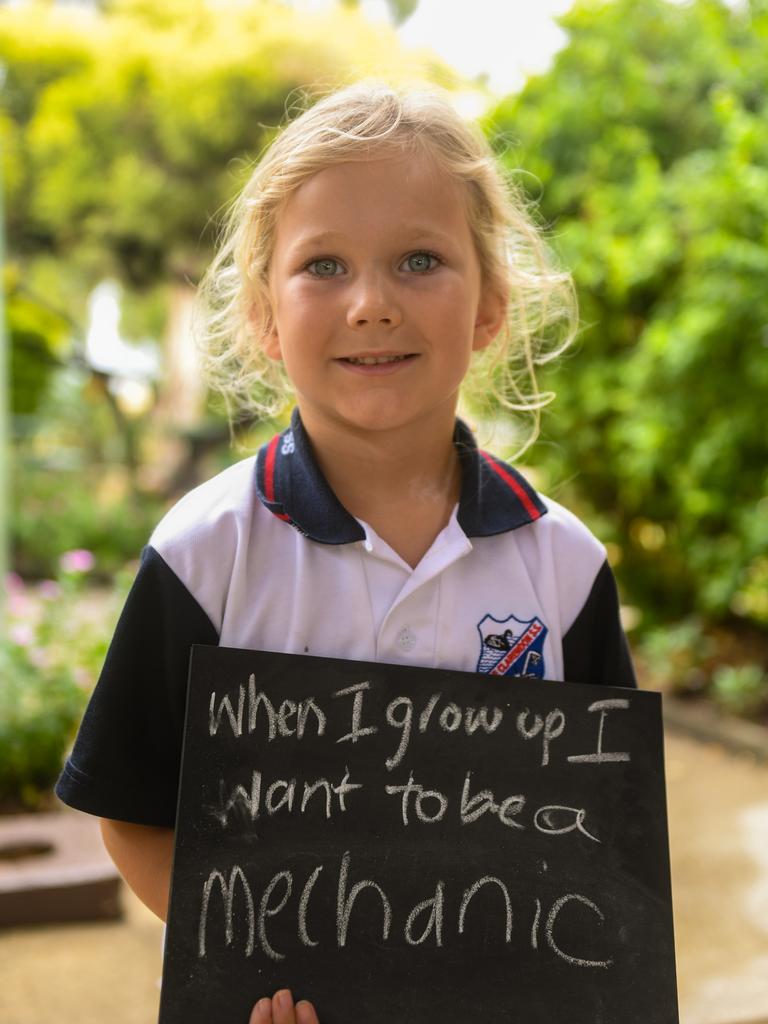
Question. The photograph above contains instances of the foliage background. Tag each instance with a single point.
(127, 128)
(649, 138)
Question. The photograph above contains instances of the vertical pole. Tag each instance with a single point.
(4, 419)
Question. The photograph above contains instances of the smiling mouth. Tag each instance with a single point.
(375, 360)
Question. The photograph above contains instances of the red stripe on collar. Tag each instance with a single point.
(269, 476)
(513, 484)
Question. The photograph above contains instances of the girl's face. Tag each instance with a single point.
(377, 296)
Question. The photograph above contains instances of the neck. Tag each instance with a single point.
(404, 482)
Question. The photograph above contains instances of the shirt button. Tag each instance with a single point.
(406, 638)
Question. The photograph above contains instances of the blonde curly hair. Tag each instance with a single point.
(233, 314)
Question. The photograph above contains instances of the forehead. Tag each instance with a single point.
(387, 194)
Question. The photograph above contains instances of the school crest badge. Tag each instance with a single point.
(511, 646)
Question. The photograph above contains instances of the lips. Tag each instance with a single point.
(376, 364)
(375, 360)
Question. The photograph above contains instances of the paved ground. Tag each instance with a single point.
(718, 813)
(718, 822)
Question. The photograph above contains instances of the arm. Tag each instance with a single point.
(125, 761)
(595, 648)
(142, 854)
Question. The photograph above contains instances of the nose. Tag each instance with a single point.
(372, 301)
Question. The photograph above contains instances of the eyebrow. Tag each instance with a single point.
(414, 232)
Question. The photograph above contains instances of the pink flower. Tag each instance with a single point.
(22, 634)
(78, 560)
(49, 590)
(40, 657)
(19, 604)
(83, 677)
(14, 584)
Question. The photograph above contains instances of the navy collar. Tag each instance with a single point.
(494, 497)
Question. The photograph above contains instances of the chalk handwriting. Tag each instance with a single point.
(600, 756)
(280, 794)
(430, 805)
(239, 917)
(473, 891)
(278, 721)
(228, 895)
(399, 714)
(435, 905)
(304, 903)
(543, 820)
(550, 926)
(241, 714)
(483, 802)
(265, 911)
(426, 920)
(553, 727)
(357, 732)
(421, 796)
(344, 903)
(535, 925)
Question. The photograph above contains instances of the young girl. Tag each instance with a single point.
(375, 253)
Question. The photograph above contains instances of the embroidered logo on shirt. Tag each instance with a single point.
(288, 446)
(511, 646)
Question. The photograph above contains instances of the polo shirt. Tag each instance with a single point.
(265, 557)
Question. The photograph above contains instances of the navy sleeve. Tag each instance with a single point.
(125, 760)
(595, 649)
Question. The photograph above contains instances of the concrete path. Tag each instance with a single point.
(718, 824)
(718, 814)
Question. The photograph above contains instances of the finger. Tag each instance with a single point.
(282, 1007)
(305, 1013)
(262, 1012)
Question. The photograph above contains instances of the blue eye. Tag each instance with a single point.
(421, 262)
(325, 267)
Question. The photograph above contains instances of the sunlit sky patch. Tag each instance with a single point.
(504, 40)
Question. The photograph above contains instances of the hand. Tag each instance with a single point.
(280, 1010)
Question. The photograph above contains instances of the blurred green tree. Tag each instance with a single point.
(129, 129)
(399, 10)
(647, 146)
(125, 130)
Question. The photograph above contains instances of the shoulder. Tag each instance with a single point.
(201, 538)
(562, 532)
(563, 529)
(217, 507)
(562, 555)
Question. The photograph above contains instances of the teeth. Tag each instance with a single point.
(374, 360)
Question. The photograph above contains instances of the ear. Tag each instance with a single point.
(491, 314)
(271, 339)
(271, 344)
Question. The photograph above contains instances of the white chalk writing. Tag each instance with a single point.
(600, 756)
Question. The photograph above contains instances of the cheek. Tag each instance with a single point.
(456, 314)
(303, 304)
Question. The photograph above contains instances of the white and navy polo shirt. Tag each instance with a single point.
(265, 557)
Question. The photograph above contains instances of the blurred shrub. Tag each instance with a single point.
(38, 714)
(646, 145)
(741, 689)
(129, 126)
(38, 339)
(57, 638)
(676, 656)
(686, 659)
(55, 510)
(751, 599)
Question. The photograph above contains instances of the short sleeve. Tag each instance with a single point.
(126, 758)
(595, 649)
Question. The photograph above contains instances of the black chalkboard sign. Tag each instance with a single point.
(415, 845)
